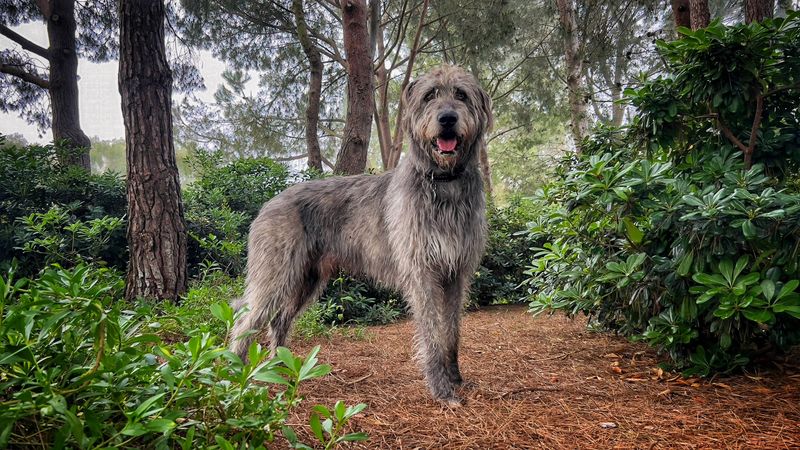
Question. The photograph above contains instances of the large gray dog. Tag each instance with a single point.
(420, 229)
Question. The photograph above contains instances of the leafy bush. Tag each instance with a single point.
(58, 237)
(351, 301)
(223, 201)
(86, 205)
(675, 231)
(78, 370)
(503, 266)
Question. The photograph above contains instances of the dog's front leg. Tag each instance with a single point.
(455, 292)
(433, 342)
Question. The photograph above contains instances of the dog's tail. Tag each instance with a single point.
(276, 288)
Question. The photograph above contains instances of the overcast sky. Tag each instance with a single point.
(100, 106)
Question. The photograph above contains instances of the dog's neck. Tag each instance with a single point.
(438, 176)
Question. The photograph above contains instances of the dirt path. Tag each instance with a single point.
(549, 383)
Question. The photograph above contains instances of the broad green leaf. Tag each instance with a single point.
(316, 427)
(749, 229)
(768, 289)
(270, 376)
(354, 437)
(685, 264)
(788, 288)
(760, 316)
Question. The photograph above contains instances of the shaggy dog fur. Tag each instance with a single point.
(420, 229)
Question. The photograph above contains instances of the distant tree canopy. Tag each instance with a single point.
(33, 76)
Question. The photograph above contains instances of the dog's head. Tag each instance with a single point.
(447, 115)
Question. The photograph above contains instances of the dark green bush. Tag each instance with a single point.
(77, 370)
(223, 201)
(31, 183)
(664, 230)
(503, 266)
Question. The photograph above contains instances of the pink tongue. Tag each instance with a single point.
(446, 145)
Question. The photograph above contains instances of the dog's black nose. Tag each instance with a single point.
(448, 118)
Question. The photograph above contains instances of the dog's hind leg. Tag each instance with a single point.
(274, 270)
(310, 286)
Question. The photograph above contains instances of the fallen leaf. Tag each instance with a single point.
(616, 369)
(665, 392)
(635, 379)
(611, 355)
(722, 385)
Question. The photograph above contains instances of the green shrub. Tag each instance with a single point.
(503, 266)
(77, 207)
(77, 370)
(58, 237)
(222, 202)
(351, 301)
(664, 230)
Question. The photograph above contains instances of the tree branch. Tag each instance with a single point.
(751, 145)
(729, 134)
(23, 42)
(20, 73)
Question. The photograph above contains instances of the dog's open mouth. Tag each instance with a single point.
(447, 143)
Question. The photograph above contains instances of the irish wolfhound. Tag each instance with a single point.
(420, 229)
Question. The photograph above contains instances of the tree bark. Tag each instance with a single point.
(576, 90)
(758, 10)
(699, 14)
(314, 86)
(681, 13)
(352, 157)
(156, 226)
(63, 59)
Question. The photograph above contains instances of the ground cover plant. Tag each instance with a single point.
(683, 228)
(80, 368)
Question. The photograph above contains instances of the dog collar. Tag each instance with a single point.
(445, 177)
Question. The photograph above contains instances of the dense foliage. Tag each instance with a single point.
(683, 228)
(50, 213)
(80, 370)
(221, 203)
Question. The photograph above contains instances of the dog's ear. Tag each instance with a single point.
(486, 108)
(405, 99)
(407, 92)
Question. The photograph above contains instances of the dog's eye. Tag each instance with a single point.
(430, 95)
(461, 95)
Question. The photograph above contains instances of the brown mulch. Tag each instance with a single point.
(547, 382)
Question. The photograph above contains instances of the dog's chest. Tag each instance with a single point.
(441, 233)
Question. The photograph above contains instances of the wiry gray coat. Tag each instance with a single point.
(420, 229)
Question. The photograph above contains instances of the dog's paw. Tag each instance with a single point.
(467, 385)
(452, 402)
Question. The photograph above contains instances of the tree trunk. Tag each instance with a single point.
(314, 86)
(681, 13)
(397, 142)
(381, 110)
(63, 58)
(576, 91)
(352, 157)
(698, 11)
(758, 10)
(156, 226)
